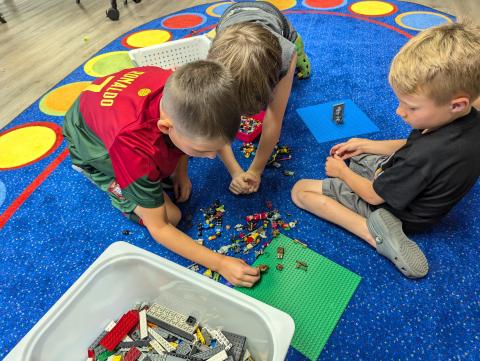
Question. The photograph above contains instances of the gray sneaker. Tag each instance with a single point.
(393, 244)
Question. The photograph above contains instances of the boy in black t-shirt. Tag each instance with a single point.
(412, 183)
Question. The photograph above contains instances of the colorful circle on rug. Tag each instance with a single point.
(373, 8)
(283, 4)
(421, 20)
(28, 143)
(144, 38)
(108, 63)
(184, 21)
(324, 4)
(59, 100)
(218, 9)
(3, 193)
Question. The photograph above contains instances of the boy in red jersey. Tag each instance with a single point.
(128, 131)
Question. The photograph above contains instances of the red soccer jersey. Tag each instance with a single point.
(122, 110)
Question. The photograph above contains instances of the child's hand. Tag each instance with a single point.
(350, 148)
(182, 187)
(238, 272)
(334, 166)
(245, 183)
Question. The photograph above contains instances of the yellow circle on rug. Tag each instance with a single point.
(108, 63)
(60, 99)
(283, 4)
(25, 145)
(373, 8)
(145, 38)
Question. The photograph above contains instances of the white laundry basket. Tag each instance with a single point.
(173, 53)
(125, 274)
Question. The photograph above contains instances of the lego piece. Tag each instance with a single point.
(218, 335)
(121, 329)
(138, 343)
(221, 356)
(288, 173)
(205, 355)
(161, 340)
(104, 356)
(157, 347)
(183, 349)
(280, 252)
(126, 232)
(246, 355)
(143, 324)
(279, 267)
(171, 321)
(338, 110)
(132, 355)
(304, 245)
(301, 265)
(263, 268)
(238, 345)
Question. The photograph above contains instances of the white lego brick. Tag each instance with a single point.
(246, 355)
(220, 337)
(164, 343)
(143, 324)
(157, 347)
(171, 317)
(221, 356)
(110, 326)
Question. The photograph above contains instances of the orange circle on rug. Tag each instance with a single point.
(144, 38)
(184, 21)
(283, 4)
(59, 100)
(28, 143)
(373, 8)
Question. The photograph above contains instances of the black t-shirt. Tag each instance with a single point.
(425, 178)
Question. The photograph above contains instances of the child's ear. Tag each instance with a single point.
(164, 124)
(460, 104)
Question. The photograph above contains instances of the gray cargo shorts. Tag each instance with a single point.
(364, 165)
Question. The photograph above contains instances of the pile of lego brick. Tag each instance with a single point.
(280, 153)
(250, 128)
(248, 149)
(157, 333)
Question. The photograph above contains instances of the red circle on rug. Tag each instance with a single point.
(183, 21)
(323, 4)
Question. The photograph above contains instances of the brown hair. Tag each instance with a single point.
(441, 62)
(254, 57)
(200, 97)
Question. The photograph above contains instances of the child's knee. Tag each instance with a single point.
(174, 215)
(298, 192)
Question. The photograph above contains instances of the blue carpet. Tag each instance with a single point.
(66, 223)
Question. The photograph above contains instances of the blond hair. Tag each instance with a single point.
(254, 57)
(200, 97)
(442, 62)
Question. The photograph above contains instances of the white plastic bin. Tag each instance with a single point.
(125, 274)
(172, 53)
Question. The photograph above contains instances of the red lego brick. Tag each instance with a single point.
(121, 329)
(132, 355)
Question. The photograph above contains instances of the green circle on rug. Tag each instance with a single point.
(108, 63)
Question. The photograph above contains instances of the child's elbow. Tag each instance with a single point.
(375, 200)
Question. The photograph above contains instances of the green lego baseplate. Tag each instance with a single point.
(315, 298)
